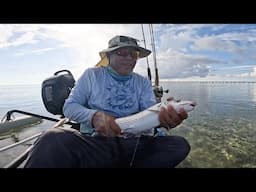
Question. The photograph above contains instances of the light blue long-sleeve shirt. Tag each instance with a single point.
(99, 89)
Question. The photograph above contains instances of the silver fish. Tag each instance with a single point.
(148, 119)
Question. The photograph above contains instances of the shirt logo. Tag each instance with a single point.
(121, 96)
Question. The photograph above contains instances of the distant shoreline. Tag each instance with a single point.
(207, 81)
(161, 80)
(5, 85)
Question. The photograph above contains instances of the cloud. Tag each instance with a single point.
(13, 35)
(183, 50)
(175, 64)
(215, 43)
(5, 33)
(198, 48)
(240, 45)
(36, 52)
(83, 41)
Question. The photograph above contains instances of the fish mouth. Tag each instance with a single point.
(193, 104)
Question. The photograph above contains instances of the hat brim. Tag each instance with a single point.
(142, 51)
(104, 59)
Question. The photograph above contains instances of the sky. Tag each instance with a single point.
(30, 53)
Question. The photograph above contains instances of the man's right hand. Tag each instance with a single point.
(105, 124)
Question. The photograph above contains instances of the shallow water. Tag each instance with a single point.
(221, 129)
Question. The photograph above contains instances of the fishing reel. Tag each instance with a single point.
(159, 92)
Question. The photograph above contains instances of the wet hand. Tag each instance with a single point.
(105, 124)
(169, 118)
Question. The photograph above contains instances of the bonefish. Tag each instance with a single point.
(148, 118)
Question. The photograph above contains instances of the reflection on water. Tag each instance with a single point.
(252, 90)
(221, 130)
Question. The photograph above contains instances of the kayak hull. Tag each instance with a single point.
(18, 123)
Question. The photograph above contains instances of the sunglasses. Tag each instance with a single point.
(125, 52)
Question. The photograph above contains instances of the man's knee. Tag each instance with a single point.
(55, 137)
(52, 149)
(182, 146)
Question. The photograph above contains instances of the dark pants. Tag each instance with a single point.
(63, 148)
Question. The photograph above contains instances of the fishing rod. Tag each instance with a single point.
(154, 54)
(144, 40)
(158, 90)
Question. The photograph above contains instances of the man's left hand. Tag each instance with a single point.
(169, 118)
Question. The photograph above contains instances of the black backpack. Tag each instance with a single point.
(55, 90)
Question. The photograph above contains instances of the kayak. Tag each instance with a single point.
(18, 122)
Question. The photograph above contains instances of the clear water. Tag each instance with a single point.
(221, 129)
(25, 98)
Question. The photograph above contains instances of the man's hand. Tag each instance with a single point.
(169, 118)
(105, 124)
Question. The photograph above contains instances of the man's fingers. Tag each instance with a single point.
(183, 114)
(115, 127)
(169, 118)
(105, 124)
(111, 127)
(173, 115)
(164, 118)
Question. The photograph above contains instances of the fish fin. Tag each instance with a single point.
(154, 110)
(156, 107)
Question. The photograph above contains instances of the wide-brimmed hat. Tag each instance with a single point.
(119, 42)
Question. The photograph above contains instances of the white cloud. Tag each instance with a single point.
(216, 43)
(175, 64)
(37, 51)
(241, 45)
(6, 32)
(176, 45)
(86, 40)
(13, 35)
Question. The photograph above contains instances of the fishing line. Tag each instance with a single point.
(134, 152)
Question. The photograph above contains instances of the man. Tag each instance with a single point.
(102, 94)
